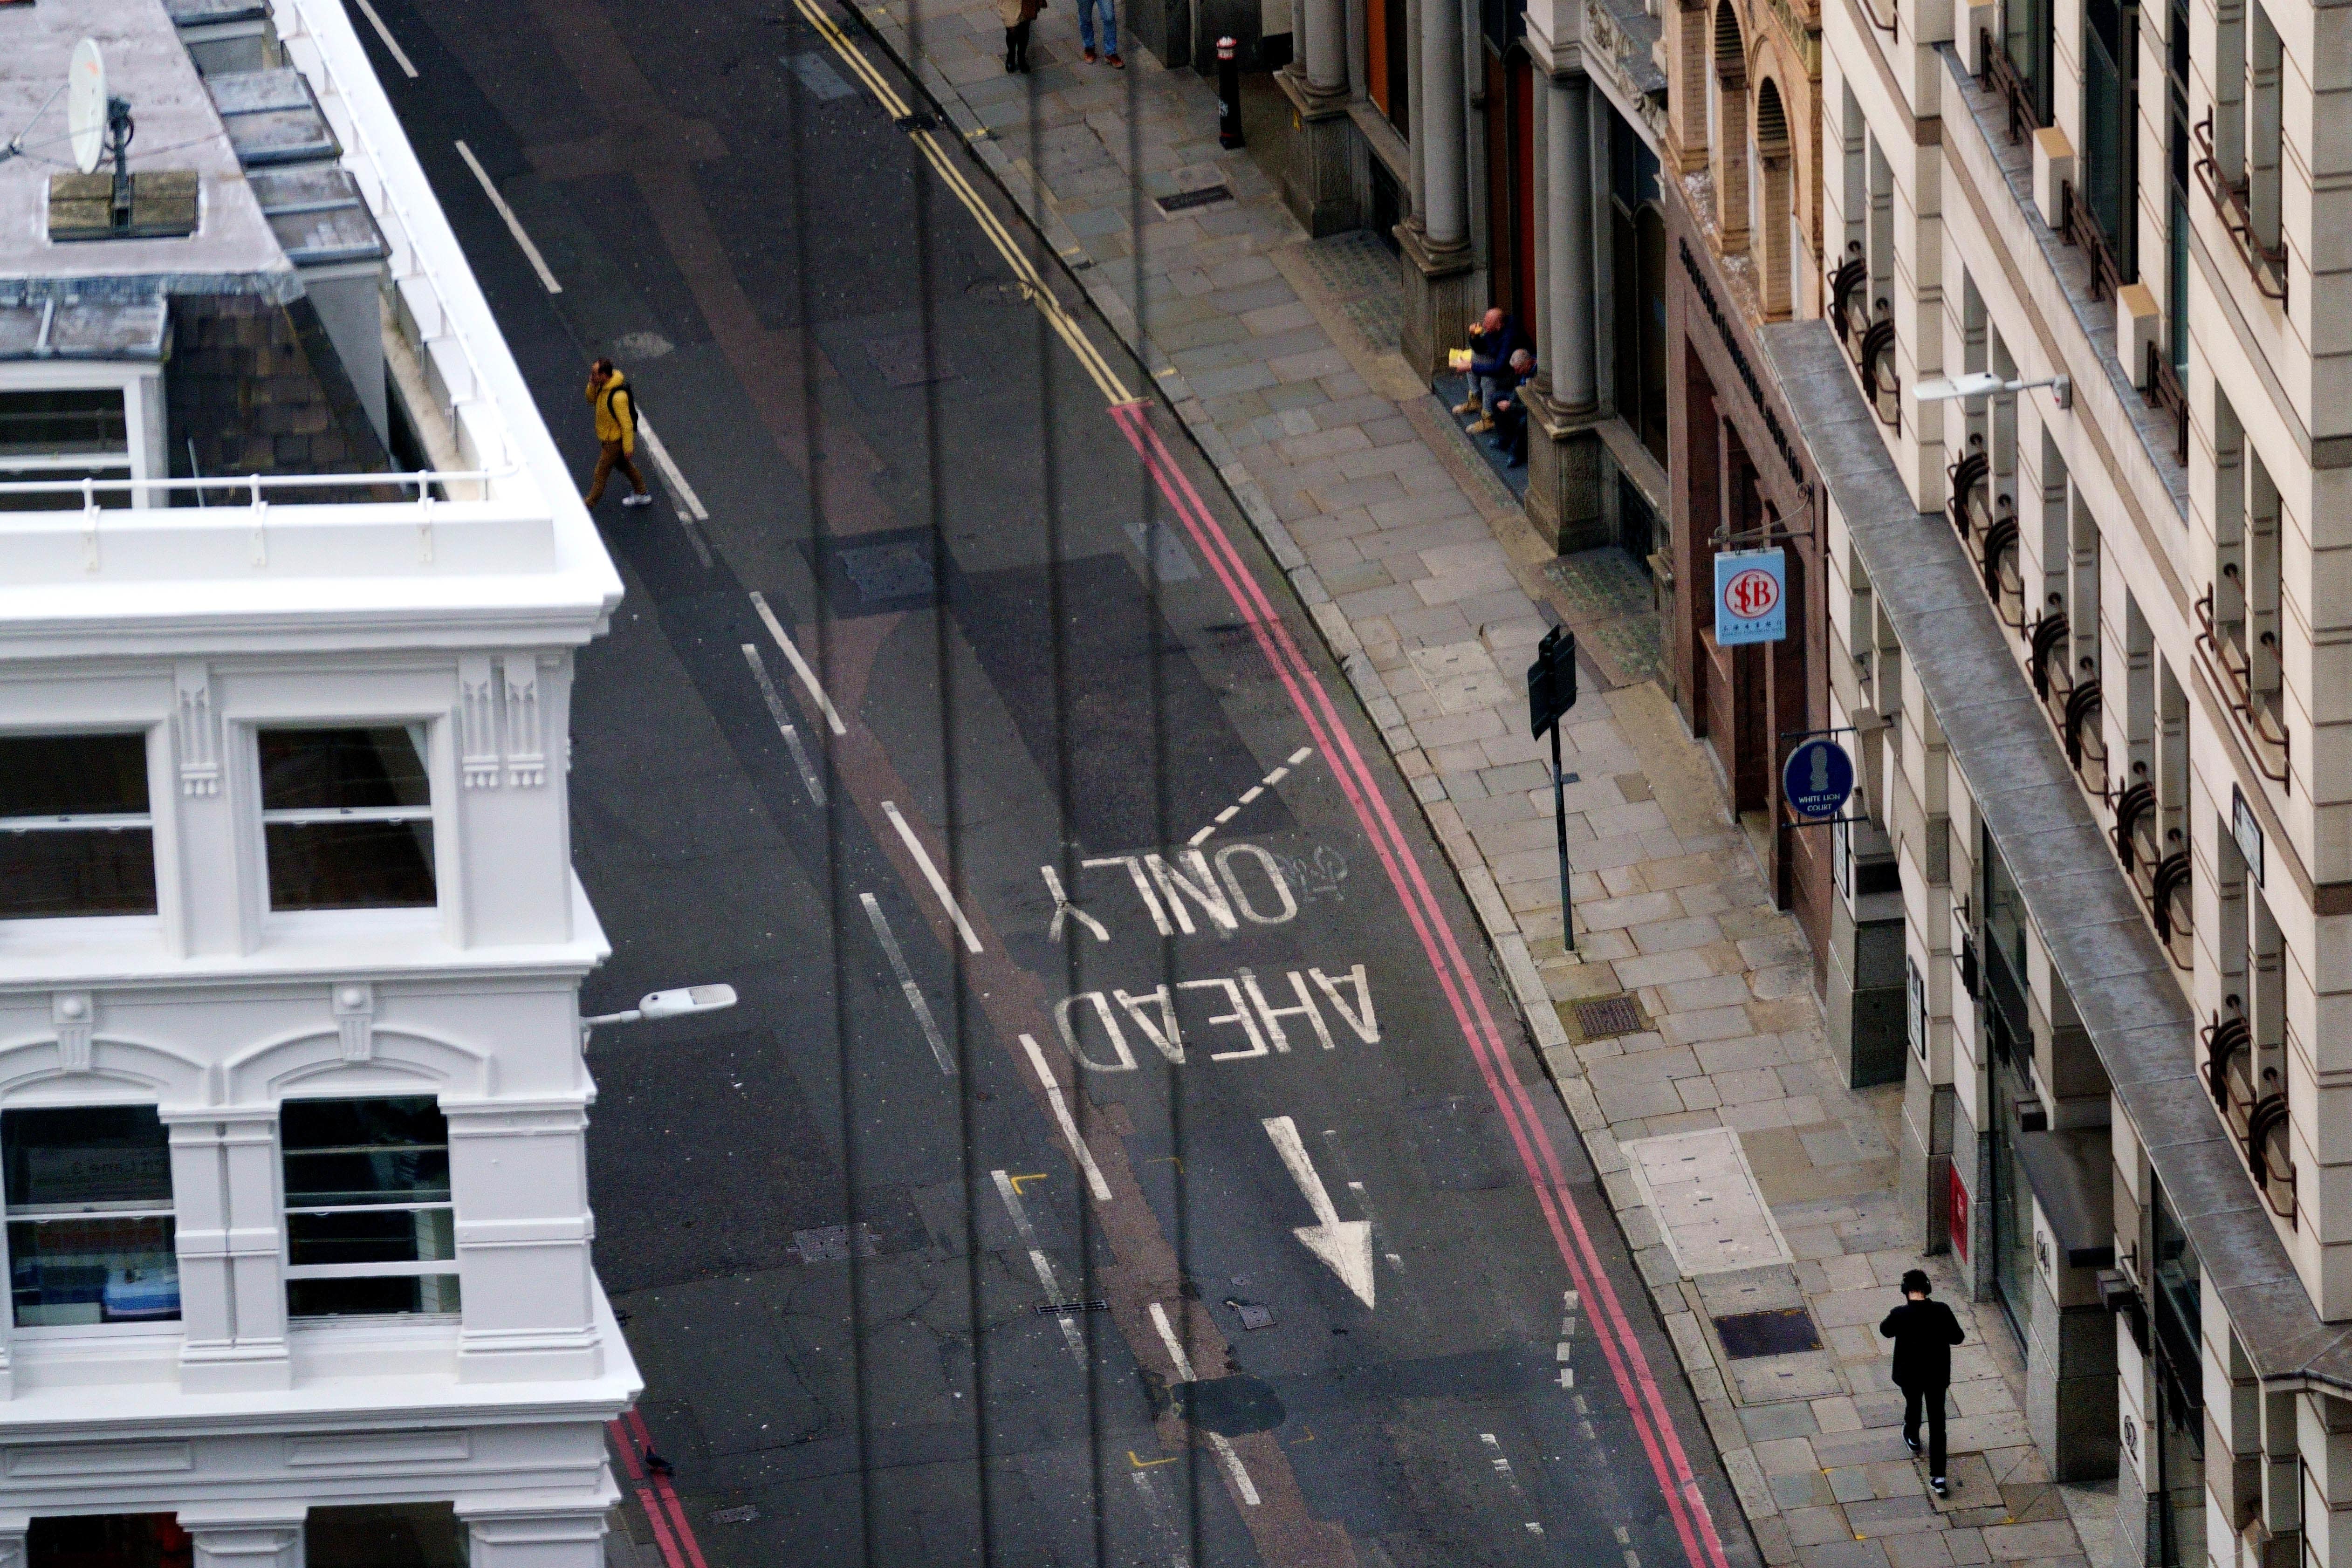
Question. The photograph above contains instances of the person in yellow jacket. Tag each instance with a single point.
(616, 431)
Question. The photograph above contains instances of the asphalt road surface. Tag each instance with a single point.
(1122, 1152)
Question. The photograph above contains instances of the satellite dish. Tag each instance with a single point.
(85, 105)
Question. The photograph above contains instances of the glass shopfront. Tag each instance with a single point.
(2016, 1108)
(2176, 1508)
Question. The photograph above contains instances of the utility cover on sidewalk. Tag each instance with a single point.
(1783, 1331)
(1709, 1207)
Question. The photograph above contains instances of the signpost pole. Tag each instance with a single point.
(1559, 821)
(1551, 692)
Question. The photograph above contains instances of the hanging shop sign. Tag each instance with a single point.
(1751, 596)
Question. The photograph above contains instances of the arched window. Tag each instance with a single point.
(1775, 187)
(1728, 136)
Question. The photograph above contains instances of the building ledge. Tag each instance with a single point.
(2121, 982)
(130, 952)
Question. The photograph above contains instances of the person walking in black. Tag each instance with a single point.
(1923, 1332)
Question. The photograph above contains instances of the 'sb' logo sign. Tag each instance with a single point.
(1750, 597)
(1752, 594)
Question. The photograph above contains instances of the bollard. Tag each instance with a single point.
(1229, 95)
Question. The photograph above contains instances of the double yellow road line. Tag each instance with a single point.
(1065, 325)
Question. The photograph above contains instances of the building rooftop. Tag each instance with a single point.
(311, 206)
(233, 250)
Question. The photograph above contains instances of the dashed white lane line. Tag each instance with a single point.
(1248, 794)
(800, 666)
(1043, 1265)
(775, 701)
(1218, 1441)
(1503, 1469)
(514, 224)
(907, 982)
(1086, 1157)
(931, 874)
(1161, 1520)
(399, 56)
(685, 502)
(689, 502)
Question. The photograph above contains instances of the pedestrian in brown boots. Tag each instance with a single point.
(1016, 15)
(616, 433)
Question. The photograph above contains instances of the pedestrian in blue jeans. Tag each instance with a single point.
(1109, 9)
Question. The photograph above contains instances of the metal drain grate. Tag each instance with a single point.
(1185, 201)
(883, 572)
(830, 1243)
(1605, 1016)
(1784, 1332)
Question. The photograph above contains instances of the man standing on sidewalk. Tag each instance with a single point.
(1923, 1332)
(616, 433)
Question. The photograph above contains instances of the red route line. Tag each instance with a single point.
(648, 1487)
(1668, 1462)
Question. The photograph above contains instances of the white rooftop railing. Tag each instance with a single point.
(251, 486)
(249, 535)
(491, 407)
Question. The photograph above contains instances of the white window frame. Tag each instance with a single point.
(143, 418)
(434, 1268)
(421, 731)
(95, 820)
(10, 1329)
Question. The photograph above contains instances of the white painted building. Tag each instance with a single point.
(292, 1104)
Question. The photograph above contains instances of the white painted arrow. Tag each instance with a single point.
(1345, 1244)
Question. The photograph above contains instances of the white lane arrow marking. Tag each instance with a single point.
(1345, 1244)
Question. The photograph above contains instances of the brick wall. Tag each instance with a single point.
(259, 390)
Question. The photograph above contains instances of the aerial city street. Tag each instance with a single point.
(1178, 783)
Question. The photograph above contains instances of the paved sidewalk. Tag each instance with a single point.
(1711, 1073)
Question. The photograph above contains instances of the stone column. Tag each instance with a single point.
(501, 1535)
(1416, 111)
(225, 1178)
(261, 1535)
(1318, 183)
(1568, 157)
(1544, 183)
(530, 1292)
(1438, 309)
(1565, 458)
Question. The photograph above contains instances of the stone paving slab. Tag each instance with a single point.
(1430, 586)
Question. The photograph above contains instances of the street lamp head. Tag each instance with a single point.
(673, 1004)
(686, 999)
(1984, 383)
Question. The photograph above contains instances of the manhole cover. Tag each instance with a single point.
(906, 362)
(830, 1243)
(1229, 1406)
(1256, 1317)
(1605, 1016)
(1781, 1333)
(996, 291)
(743, 1515)
(889, 571)
(1185, 201)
